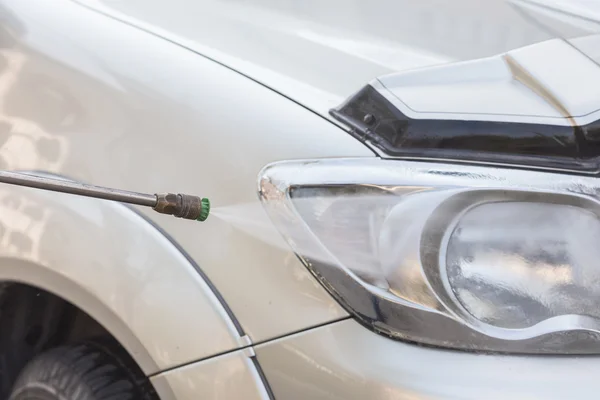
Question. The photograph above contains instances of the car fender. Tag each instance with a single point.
(117, 267)
(92, 98)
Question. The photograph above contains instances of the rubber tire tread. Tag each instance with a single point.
(78, 372)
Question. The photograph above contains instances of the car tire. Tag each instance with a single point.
(79, 372)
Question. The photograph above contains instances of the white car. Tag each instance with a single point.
(405, 199)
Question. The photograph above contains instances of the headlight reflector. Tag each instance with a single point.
(517, 264)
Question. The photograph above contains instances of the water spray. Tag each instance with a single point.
(179, 205)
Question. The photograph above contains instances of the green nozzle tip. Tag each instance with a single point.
(205, 209)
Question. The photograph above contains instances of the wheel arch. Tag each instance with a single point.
(114, 265)
(13, 270)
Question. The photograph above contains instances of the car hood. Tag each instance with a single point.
(318, 52)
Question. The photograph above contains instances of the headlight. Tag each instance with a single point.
(457, 256)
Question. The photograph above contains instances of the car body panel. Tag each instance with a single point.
(319, 52)
(229, 376)
(576, 21)
(110, 262)
(568, 19)
(516, 86)
(590, 45)
(345, 361)
(120, 107)
(168, 96)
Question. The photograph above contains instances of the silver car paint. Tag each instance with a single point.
(568, 19)
(320, 52)
(346, 361)
(117, 101)
(230, 376)
(111, 263)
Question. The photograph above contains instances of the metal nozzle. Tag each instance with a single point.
(183, 206)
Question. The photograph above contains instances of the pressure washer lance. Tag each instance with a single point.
(180, 205)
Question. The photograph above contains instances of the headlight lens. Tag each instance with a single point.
(514, 265)
(456, 256)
